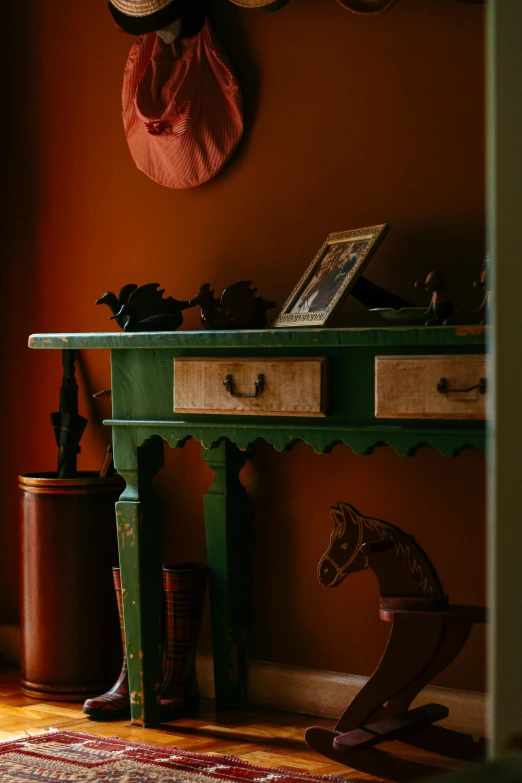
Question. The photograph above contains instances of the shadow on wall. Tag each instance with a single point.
(18, 267)
(228, 23)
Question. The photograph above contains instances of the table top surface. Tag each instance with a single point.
(298, 337)
(142, 386)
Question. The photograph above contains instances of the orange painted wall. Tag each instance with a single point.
(350, 121)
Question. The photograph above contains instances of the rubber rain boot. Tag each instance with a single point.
(184, 595)
(115, 704)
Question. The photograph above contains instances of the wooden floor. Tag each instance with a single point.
(260, 736)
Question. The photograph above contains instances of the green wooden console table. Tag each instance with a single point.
(402, 386)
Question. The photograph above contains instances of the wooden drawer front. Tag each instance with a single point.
(291, 387)
(406, 387)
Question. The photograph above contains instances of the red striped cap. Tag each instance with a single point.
(182, 108)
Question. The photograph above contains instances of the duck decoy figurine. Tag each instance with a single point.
(440, 311)
(147, 311)
(116, 302)
(237, 308)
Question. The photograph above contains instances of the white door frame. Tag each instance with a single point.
(504, 229)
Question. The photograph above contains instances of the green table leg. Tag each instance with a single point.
(228, 521)
(139, 524)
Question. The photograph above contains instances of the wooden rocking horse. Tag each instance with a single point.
(427, 633)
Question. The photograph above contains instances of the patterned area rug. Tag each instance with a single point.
(70, 757)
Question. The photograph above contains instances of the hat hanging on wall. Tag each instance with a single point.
(375, 6)
(262, 5)
(138, 17)
(182, 108)
(367, 6)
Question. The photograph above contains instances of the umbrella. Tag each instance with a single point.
(67, 424)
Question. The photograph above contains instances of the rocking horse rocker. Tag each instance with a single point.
(427, 633)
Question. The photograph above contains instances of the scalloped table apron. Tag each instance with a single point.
(182, 108)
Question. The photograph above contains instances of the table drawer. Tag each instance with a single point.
(282, 387)
(430, 387)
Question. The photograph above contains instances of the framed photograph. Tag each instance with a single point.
(329, 278)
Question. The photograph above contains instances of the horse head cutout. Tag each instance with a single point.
(405, 574)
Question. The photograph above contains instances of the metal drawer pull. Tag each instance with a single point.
(259, 384)
(443, 388)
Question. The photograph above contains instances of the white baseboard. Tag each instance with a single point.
(316, 692)
(310, 691)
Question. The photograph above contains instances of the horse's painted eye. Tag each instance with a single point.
(344, 546)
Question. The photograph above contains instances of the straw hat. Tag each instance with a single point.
(138, 17)
(182, 108)
(375, 6)
(357, 6)
(366, 6)
(262, 5)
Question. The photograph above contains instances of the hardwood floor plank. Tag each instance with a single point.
(259, 736)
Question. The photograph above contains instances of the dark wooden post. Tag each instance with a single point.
(228, 520)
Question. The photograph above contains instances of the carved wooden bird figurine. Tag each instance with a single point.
(116, 302)
(441, 311)
(147, 311)
(237, 308)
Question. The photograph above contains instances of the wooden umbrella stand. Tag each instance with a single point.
(70, 641)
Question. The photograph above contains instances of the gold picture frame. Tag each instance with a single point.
(329, 278)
